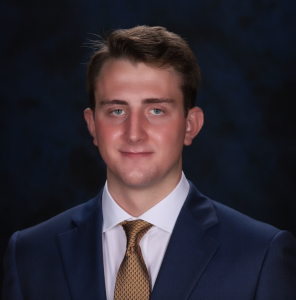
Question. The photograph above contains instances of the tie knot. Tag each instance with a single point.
(134, 231)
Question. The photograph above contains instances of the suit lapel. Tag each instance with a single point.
(82, 254)
(189, 251)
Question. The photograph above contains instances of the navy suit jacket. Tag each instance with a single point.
(214, 253)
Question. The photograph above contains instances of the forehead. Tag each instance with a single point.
(124, 79)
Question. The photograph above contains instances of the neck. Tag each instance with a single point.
(137, 200)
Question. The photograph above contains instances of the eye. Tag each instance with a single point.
(118, 112)
(156, 111)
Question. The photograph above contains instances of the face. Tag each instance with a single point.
(139, 124)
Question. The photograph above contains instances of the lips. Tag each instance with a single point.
(135, 154)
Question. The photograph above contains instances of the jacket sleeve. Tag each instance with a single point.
(278, 273)
(11, 284)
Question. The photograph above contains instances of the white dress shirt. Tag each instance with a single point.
(153, 245)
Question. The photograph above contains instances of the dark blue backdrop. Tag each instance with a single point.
(245, 154)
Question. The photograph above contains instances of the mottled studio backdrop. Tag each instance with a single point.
(243, 157)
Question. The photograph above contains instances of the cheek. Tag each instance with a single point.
(169, 137)
(107, 139)
(107, 132)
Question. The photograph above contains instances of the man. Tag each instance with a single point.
(149, 234)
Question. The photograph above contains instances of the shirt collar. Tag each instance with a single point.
(163, 215)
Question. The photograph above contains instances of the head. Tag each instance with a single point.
(142, 85)
(154, 46)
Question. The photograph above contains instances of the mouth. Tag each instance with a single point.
(136, 154)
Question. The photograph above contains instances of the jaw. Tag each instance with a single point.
(143, 174)
(134, 176)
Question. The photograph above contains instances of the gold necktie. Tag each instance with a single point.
(132, 281)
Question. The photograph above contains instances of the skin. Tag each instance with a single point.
(139, 128)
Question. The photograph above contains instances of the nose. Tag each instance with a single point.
(136, 128)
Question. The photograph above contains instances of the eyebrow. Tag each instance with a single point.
(145, 101)
(112, 102)
(157, 100)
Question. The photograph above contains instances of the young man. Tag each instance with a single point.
(149, 234)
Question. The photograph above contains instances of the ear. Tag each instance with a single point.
(89, 118)
(194, 122)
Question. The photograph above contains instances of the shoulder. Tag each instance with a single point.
(236, 222)
(259, 250)
(234, 230)
(47, 232)
(222, 221)
(242, 234)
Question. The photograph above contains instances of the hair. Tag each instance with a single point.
(154, 46)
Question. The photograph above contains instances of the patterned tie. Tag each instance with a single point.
(132, 281)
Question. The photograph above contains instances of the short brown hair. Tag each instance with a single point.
(153, 46)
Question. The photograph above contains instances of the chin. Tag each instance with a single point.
(136, 178)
